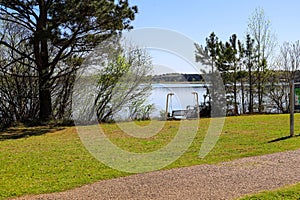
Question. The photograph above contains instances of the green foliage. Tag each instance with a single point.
(110, 75)
(123, 83)
(289, 192)
(212, 47)
(108, 79)
(139, 111)
(223, 58)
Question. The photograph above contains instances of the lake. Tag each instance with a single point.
(183, 96)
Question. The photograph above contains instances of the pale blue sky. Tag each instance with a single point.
(196, 19)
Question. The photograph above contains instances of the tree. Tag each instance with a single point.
(62, 89)
(289, 59)
(210, 56)
(250, 56)
(233, 42)
(287, 69)
(242, 73)
(19, 83)
(114, 79)
(279, 91)
(18, 91)
(212, 47)
(259, 28)
(227, 64)
(57, 30)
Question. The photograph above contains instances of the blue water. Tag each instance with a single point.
(182, 97)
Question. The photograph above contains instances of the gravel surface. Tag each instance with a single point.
(227, 180)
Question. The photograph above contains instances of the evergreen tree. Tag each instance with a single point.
(249, 52)
(57, 30)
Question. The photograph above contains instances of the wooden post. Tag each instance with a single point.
(197, 103)
(292, 107)
(167, 105)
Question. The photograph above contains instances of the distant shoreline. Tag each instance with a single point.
(177, 78)
(174, 82)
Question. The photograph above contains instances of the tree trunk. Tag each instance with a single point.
(44, 99)
(243, 96)
(250, 92)
(259, 92)
(236, 110)
(42, 61)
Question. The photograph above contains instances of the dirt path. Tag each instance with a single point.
(227, 180)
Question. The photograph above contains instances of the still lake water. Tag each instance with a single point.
(182, 97)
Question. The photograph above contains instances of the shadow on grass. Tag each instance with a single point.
(22, 132)
(283, 138)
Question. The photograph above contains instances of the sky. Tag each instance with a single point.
(196, 19)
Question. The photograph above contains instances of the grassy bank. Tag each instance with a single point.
(58, 161)
(289, 192)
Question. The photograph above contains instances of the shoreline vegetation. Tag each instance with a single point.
(177, 78)
(46, 162)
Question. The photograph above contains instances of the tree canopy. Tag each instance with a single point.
(54, 31)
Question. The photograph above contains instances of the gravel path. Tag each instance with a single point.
(227, 180)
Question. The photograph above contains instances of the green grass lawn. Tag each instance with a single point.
(57, 160)
(289, 192)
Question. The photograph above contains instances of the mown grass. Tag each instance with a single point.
(58, 161)
(290, 192)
